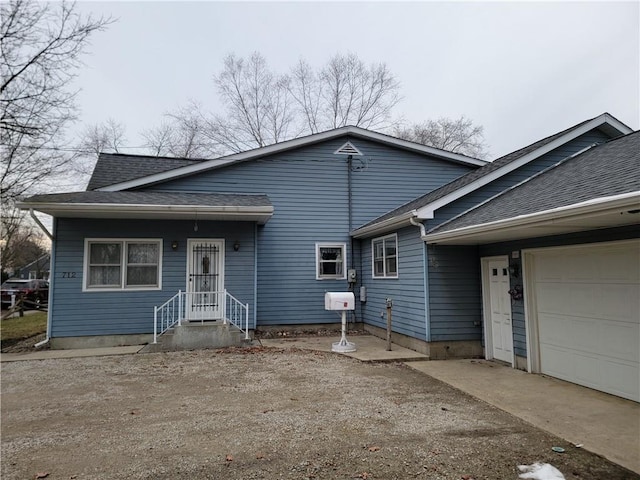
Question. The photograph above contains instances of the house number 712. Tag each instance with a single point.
(68, 274)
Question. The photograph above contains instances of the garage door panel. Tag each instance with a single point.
(548, 299)
(578, 268)
(625, 347)
(552, 329)
(619, 302)
(549, 269)
(588, 315)
(629, 384)
(618, 265)
(556, 361)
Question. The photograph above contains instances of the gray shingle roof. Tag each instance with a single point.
(154, 198)
(115, 168)
(612, 168)
(470, 177)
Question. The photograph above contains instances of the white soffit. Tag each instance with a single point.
(606, 212)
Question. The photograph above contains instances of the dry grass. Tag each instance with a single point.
(15, 329)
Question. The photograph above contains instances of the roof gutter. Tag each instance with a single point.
(146, 211)
(594, 206)
(384, 226)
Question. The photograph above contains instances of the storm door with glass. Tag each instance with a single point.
(205, 279)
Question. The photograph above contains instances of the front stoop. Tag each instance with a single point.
(196, 336)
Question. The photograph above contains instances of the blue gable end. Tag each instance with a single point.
(309, 189)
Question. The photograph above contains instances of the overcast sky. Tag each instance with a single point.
(523, 70)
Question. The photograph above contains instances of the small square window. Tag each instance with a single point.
(330, 261)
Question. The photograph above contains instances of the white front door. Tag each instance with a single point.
(205, 279)
(498, 326)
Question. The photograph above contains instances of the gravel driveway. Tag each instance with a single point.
(260, 413)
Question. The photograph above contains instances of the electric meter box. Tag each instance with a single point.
(339, 301)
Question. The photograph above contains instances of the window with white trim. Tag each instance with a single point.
(330, 261)
(115, 264)
(385, 256)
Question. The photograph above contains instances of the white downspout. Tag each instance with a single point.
(419, 224)
(48, 234)
(42, 227)
(425, 269)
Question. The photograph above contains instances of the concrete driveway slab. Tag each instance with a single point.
(602, 423)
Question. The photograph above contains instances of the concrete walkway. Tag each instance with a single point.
(77, 352)
(368, 347)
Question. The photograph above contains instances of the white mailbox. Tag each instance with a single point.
(339, 301)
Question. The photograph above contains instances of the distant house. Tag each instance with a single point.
(348, 209)
(38, 269)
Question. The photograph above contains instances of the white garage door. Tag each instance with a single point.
(587, 300)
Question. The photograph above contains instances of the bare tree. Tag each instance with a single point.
(263, 107)
(108, 136)
(40, 49)
(185, 134)
(354, 94)
(306, 89)
(22, 242)
(455, 135)
(258, 105)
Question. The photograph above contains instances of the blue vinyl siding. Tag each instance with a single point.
(506, 248)
(455, 295)
(78, 313)
(309, 190)
(407, 291)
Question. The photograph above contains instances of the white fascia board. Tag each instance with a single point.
(416, 147)
(589, 207)
(289, 145)
(427, 211)
(385, 226)
(139, 210)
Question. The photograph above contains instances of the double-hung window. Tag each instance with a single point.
(385, 256)
(330, 261)
(112, 264)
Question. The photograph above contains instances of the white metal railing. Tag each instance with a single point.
(200, 306)
(167, 315)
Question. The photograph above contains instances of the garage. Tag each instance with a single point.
(584, 305)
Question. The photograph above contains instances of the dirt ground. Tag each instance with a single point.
(260, 413)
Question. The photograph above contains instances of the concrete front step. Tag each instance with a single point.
(193, 336)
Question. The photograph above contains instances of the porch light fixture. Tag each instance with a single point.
(174, 245)
(236, 246)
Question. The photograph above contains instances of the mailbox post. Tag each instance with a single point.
(341, 301)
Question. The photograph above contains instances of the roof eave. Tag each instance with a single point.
(289, 145)
(427, 211)
(385, 226)
(260, 214)
(558, 219)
